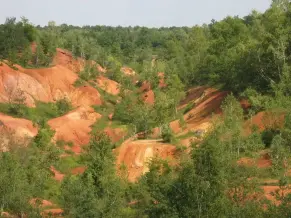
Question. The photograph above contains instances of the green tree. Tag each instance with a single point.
(103, 194)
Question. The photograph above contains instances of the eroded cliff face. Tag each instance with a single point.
(46, 84)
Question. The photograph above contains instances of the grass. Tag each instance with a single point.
(41, 111)
(39, 114)
(188, 107)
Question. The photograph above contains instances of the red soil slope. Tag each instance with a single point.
(271, 191)
(115, 134)
(108, 85)
(264, 120)
(52, 213)
(200, 116)
(78, 170)
(136, 155)
(149, 97)
(57, 175)
(264, 161)
(206, 106)
(41, 203)
(65, 59)
(75, 126)
(46, 84)
(127, 71)
(15, 130)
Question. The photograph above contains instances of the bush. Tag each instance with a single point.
(189, 107)
(268, 135)
(43, 138)
(79, 82)
(63, 106)
(167, 134)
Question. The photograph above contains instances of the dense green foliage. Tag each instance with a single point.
(39, 114)
(25, 174)
(239, 53)
(248, 56)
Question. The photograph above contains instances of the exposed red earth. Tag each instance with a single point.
(75, 127)
(57, 82)
(128, 71)
(41, 203)
(137, 154)
(57, 175)
(56, 212)
(45, 84)
(79, 170)
(15, 130)
(108, 85)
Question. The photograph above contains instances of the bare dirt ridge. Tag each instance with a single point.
(57, 82)
(15, 130)
(75, 127)
(45, 84)
(137, 154)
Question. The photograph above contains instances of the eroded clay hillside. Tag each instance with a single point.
(93, 108)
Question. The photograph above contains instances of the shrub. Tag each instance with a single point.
(63, 106)
(79, 82)
(43, 138)
(189, 106)
(268, 135)
(167, 134)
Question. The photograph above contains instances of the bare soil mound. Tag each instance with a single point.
(146, 91)
(15, 130)
(108, 85)
(149, 97)
(21, 127)
(145, 86)
(41, 203)
(128, 71)
(66, 59)
(52, 213)
(136, 155)
(79, 170)
(6, 214)
(206, 105)
(46, 84)
(57, 175)
(162, 82)
(75, 126)
(115, 134)
(270, 193)
(192, 95)
(264, 161)
(264, 120)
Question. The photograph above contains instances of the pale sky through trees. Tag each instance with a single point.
(152, 13)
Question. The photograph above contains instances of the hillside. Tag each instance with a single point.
(139, 122)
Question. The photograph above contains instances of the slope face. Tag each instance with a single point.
(75, 127)
(46, 84)
(108, 85)
(136, 155)
(15, 130)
